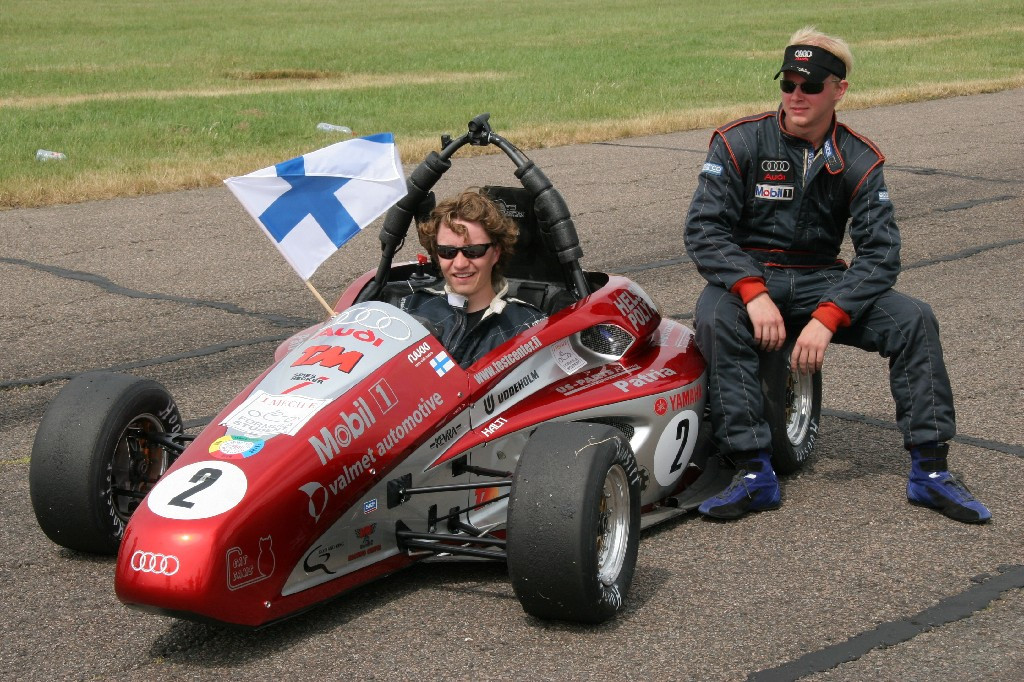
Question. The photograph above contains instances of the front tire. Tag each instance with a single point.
(91, 462)
(574, 522)
(792, 404)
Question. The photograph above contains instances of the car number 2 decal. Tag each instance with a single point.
(198, 491)
(675, 447)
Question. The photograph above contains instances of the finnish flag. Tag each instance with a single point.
(310, 205)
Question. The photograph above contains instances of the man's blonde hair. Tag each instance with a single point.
(809, 35)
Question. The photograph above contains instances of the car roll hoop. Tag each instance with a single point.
(557, 228)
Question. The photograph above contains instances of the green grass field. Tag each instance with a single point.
(154, 96)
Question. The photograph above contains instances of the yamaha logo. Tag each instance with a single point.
(775, 166)
(151, 562)
(803, 54)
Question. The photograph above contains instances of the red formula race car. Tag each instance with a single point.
(364, 448)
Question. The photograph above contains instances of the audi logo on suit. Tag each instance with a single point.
(152, 562)
(775, 166)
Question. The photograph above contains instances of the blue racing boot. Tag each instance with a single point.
(931, 485)
(754, 488)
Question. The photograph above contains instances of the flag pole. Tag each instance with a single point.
(329, 309)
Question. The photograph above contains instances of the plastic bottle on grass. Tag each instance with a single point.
(331, 128)
(47, 155)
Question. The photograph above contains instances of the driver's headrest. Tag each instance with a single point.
(532, 258)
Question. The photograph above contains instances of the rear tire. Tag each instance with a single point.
(792, 404)
(574, 522)
(90, 465)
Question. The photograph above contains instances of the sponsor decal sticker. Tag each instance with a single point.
(660, 406)
(420, 353)
(335, 357)
(485, 495)
(712, 169)
(424, 408)
(595, 377)
(244, 569)
(263, 414)
(236, 447)
(363, 335)
(509, 392)
(318, 497)
(446, 436)
(643, 378)
(566, 358)
(383, 395)
(370, 506)
(367, 546)
(352, 425)
(198, 491)
(376, 320)
(774, 192)
(442, 364)
(155, 563)
(304, 380)
(686, 397)
(634, 308)
(318, 557)
(507, 360)
(493, 427)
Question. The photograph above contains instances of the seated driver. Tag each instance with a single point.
(469, 238)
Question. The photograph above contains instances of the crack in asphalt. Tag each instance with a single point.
(924, 170)
(199, 352)
(1005, 448)
(946, 611)
(963, 205)
(113, 288)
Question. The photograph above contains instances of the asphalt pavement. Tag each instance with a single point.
(846, 581)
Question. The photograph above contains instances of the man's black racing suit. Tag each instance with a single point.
(770, 215)
(504, 318)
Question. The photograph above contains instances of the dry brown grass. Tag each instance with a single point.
(253, 83)
(166, 178)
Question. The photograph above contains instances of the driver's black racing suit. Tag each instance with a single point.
(770, 214)
(504, 318)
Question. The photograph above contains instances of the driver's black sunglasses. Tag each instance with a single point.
(789, 87)
(470, 251)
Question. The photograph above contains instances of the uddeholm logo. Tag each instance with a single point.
(152, 562)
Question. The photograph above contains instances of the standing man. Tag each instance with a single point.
(765, 228)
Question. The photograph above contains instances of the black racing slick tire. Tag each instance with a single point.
(91, 463)
(574, 522)
(792, 404)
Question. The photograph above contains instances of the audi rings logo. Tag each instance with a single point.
(803, 54)
(775, 166)
(376, 319)
(151, 562)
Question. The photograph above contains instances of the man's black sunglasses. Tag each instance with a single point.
(789, 87)
(470, 251)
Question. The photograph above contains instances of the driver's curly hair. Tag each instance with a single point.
(473, 206)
